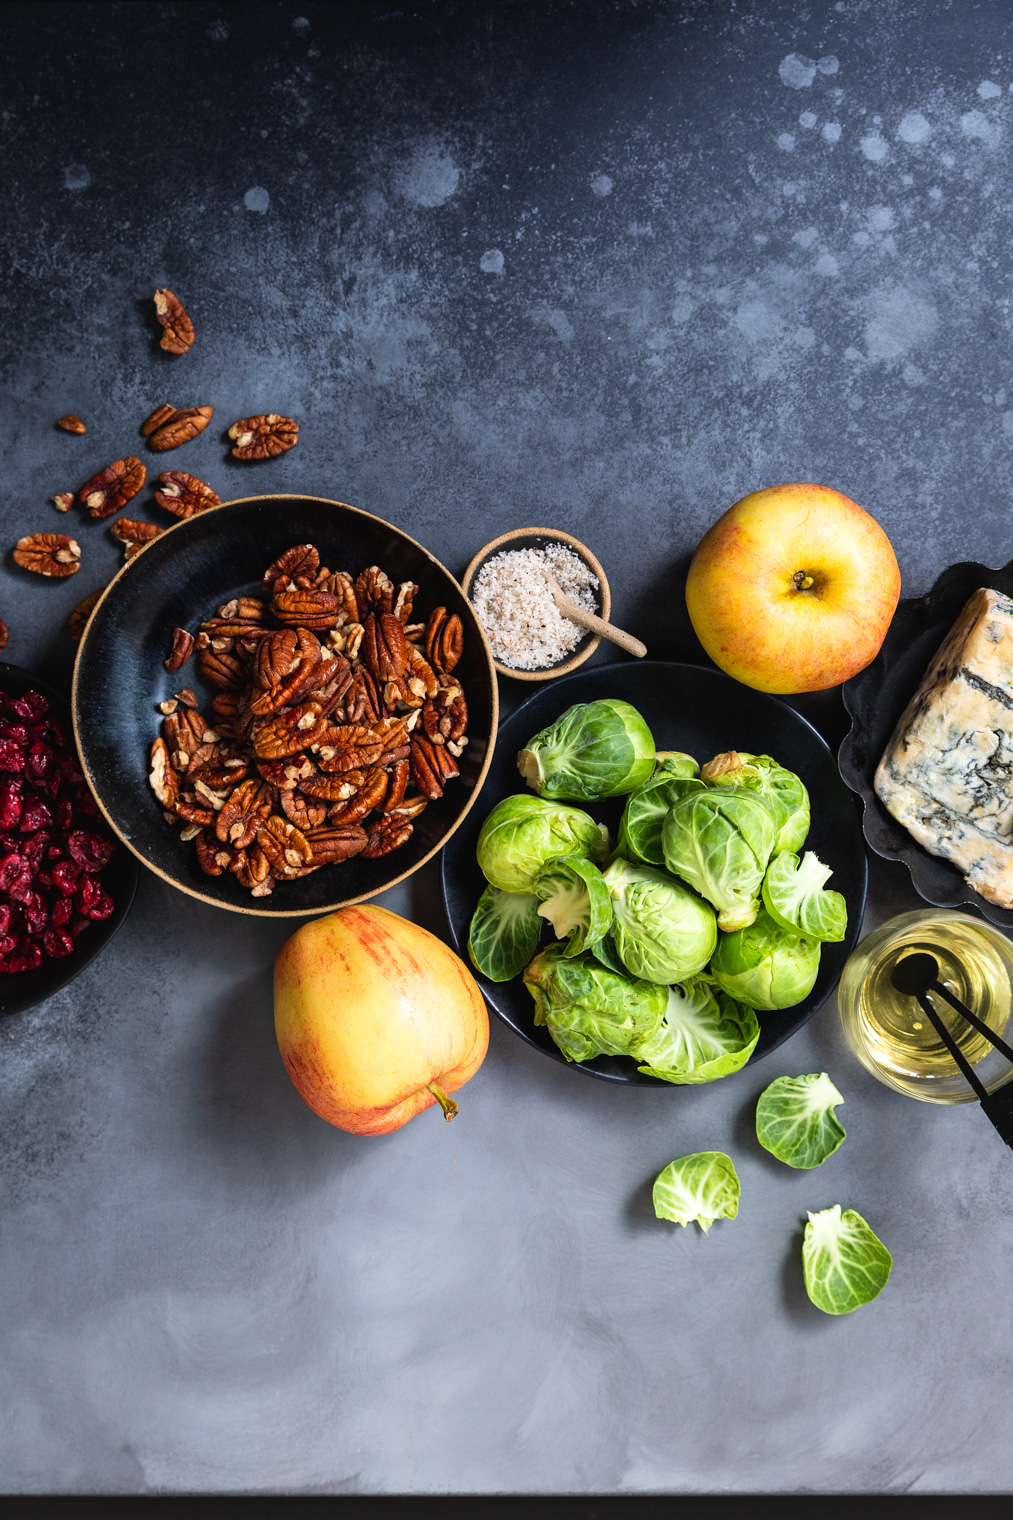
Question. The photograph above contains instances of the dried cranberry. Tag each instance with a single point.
(44, 767)
(57, 942)
(61, 912)
(90, 850)
(35, 815)
(71, 771)
(65, 876)
(36, 704)
(12, 757)
(101, 907)
(55, 852)
(35, 913)
(5, 919)
(33, 848)
(8, 942)
(16, 732)
(10, 804)
(13, 869)
(26, 956)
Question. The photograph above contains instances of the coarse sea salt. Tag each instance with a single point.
(514, 604)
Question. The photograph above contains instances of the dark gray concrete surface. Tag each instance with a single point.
(605, 266)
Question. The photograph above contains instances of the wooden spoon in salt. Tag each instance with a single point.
(593, 623)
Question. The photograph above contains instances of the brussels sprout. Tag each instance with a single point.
(793, 895)
(596, 749)
(574, 898)
(663, 931)
(588, 1010)
(795, 1120)
(675, 762)
(644, 815)
(781, 789)
(522, 833)
(844, 1262)
(702, 1036)
(704, 1187)
(719, 840)
(766, 966)
(606, 953)
(504, 934)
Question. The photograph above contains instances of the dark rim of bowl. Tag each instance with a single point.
(276, 913)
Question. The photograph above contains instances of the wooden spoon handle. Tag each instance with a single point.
(598, 625)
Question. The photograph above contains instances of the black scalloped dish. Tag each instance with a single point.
(878, 695)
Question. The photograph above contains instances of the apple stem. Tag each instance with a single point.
(802, 581)
(450, 1108)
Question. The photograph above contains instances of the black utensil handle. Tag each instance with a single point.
(951, 1045)
(972, 1018)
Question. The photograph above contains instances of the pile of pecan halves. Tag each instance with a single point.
(336, 720)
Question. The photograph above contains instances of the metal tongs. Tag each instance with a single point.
(916, 976)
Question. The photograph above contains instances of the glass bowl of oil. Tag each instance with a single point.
(889, 1032)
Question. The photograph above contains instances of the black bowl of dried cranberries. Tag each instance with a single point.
(66, 885)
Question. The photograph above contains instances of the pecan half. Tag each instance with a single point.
(444, 639)
(404, 600)
(71, 424)
(4, 634)
(162, 779)
(287, 774)
(397, 786)
(285, 846)
(446, 718)
(185, 495)
(341, 585)
(362, 700)
(63, 500)
(374, 591)
(171, 313)
(222, 669)
(362, 802)
(305, 609)
(348, 747)
(51, 554)
(214, 857)
(240, 819)
(191, 808)
(113, 487)
(389, 832)
(180, 428)
(385, 650)
(182, 649)
(184, 733)
(288, 732)
(277, 658)
(337, 786)
(302, 560)
(335, 842)
(411, 806)
(264, 436)
(302, 811)
(255, 873)
(78, 620)
(159, 415)
(134, 534)
(219, 772)
(431, 765)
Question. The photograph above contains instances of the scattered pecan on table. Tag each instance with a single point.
(331, 729)
(48, 554)
(185, 495)
(134, 534)
(168, 427)
(170, 311)
(113, 487)
(4, 635)
(71, 424)
(78, 619)
(63, 500)
(263, 437)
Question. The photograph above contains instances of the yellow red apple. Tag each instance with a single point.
(793, 589)
(376, 1019)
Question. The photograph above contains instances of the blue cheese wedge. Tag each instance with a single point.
(947, 774)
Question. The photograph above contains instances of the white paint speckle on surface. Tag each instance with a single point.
(602, 185)
(808, 119)
(875, 148)
(882, 219)
(796, 71)
(558, 321)
(218, 31)
(827, 265)
(256, 199)
(914, 128)
(989, 90)
(786, 142)
(977, 125)
(899, 320)
(301, 24)
(429, 178)
(491, 261)
(806, 238)
(831, 132)
(76, 177)
(935, 194)
(828, 64)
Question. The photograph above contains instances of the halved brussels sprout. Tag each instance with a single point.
(719, 840)
(504, 934)
(663, 931)
(588, 1010)
(844, 1262)
(523, 832)
(781, 789)
(703, 1035)
(596, 749)
(704, 1187)
(644, 815)
(793, 895)
(766, 966)
(574, 898)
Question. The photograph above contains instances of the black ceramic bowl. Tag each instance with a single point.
(878, 695)
(704, 713)
(24, 989)
(178, 581)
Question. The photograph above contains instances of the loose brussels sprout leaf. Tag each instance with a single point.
(574, 898)
(675, 762)
(596, 749)
(795, 1120)
(781, 789)
(702, 1036)
(605, 951)
(644, 815)
(522, 833)
(719, 840)
(844, 1263)
(504, 934)
(766, 966)
(588, 1010)
(704, 1187)
(663, 931)
(793, 894)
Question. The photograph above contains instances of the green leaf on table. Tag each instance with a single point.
(794, 896)
(795, 1120)
(703, 1186)
(844, 1262)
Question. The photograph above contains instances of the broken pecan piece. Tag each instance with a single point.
(78, 619)
(305, 609)
(163, 780)
(185, 495)
(264, 436)
(182, 649)
(52, 554)
(374, 591)
(302, 560)
(63, 500)
(180, 427)
(444, 639)
(389, 832)
(113, 487)
(335, 842)
(4, 634)
(171, 313)
(341, 585)
(71, 424)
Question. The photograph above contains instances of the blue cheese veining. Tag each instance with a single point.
(947, 774)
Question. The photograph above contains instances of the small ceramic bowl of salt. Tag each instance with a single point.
(506, 584)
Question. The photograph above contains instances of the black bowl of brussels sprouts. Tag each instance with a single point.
(693, 928)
